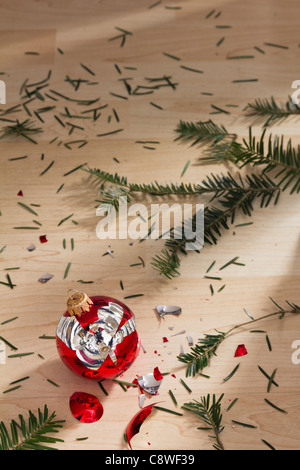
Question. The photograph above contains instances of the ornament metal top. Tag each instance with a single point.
(96, 337)
(78, 303)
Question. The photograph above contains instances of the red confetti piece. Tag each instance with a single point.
(173, 375)
(43, 239)
(157, 375)
(85, 407)
(241, 351)
(165, 340)
(20, 193)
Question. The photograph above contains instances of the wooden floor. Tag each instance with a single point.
(85, 32)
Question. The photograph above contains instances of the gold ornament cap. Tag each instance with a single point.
(78, 303)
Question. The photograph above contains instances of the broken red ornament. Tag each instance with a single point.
(85, 407)
(241, 351)
(96, 337)
(134, 425)
(43, 239)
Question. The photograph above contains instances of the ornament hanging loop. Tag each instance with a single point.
(78, 303)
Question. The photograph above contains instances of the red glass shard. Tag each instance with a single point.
(133, 427)
(85, 407)
(157, 375)
(241, 351)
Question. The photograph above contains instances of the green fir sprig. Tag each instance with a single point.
(210, 412)
(31, 436)
(216, 219)
(200, 354)
(271, 111)
(232, 194)
(271, 152)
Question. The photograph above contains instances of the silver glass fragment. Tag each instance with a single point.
(149, 383)
(31, 247)
(142, 399)
(46, 277)
(163, 310)
(179, 333)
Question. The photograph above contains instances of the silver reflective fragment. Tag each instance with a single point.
(163, 310)
(31, 247)
(46, 277)
(149, 383)
(142, 399)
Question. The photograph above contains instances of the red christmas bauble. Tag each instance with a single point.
(96, 338)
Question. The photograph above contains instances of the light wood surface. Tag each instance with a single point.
(269, 248)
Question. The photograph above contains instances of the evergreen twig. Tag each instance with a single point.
(274, 154)
(272, 111)
(32, 435)
(233, 193)
(216, 218)
(209, 410)
(200, 354)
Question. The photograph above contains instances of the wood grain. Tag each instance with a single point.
(269, 248)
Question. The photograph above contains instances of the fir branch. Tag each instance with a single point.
(33, 435)
(236, 193)
(241, 197)
(233, 193)
(202, 132)
(210, 413)
(218, 185)
(222, 144)
(274, 155)
(284, 159)
(200, 354)
(272, 111)
(198, 358)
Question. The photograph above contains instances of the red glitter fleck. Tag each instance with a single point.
(43, 239)
(20, 193)
(165, 340)
(241, 351)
